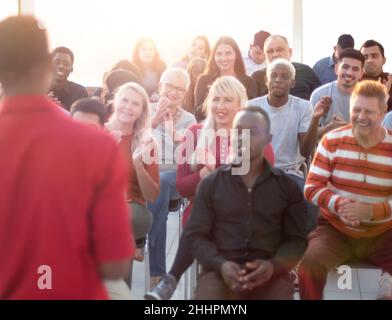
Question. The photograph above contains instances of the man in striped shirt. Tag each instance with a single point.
(351, 181)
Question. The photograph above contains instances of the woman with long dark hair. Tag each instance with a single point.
(225, 60)
(195, 68)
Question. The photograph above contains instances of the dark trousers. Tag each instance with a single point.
(211, 286)
(183, 259)
(328, 248)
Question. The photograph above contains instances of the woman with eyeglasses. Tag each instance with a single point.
(169, 121)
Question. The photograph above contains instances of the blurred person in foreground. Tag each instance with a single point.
(63, 215)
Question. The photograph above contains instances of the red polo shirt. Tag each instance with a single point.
(62, 203)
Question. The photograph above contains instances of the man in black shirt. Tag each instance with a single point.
(248, 231)
(306, 80)
(62, 91)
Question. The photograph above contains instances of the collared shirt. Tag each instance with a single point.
(325, 70)
(231, 222)
(62, 203)
(71, 92)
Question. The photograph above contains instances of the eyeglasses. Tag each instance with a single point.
(171, 87)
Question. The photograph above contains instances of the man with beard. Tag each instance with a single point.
(337, 94)
(62, 91)
(325, 68)
(374, 54)
(350, 179)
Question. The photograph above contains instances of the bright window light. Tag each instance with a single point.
(102, 32)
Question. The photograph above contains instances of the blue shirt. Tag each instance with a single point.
(325, 70)
(387, 123)
(340, 102)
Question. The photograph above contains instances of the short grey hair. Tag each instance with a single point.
(281, 63)
(276, 36)
(176, 72)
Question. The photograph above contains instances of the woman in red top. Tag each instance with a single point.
(130, 125)
(205, 147)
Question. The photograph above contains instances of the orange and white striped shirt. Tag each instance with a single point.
(343, 169)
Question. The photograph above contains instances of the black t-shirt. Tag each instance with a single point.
(70, 94)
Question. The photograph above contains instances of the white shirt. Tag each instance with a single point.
(251, 66)
(287, 122)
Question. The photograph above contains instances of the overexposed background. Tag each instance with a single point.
(100, 32)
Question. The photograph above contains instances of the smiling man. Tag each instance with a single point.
(325, 68)
(62, 91)
(248, 231)
(337, 94)
(351, 180)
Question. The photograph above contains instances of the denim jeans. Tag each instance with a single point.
(157, 234)
(311, 209)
